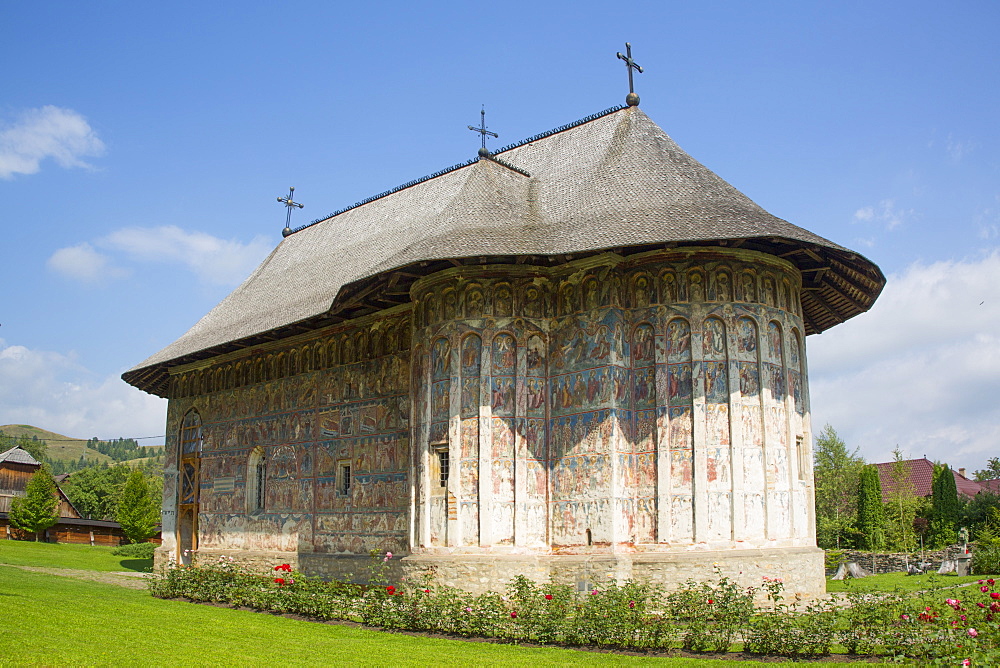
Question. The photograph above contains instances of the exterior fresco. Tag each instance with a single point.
(647, 404)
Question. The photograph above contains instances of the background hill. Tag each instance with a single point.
(61, 448)
(66, 454)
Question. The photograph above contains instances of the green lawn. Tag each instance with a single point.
(891, 582)
(55, 621)
(63, 555)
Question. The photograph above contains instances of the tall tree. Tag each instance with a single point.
(837, 472)
(944, 508)
(902, 507)
(991, 472)
(871, 512)
(95, 490)
(138, 510)
(38, 509)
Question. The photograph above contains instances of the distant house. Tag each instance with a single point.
(16, 468)
(920, 474)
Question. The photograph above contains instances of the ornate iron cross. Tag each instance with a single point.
(483, 131)
(289, 205)
(632, 99)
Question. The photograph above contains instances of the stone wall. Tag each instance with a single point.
(895, 562)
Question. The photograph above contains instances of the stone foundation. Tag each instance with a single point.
(801, 569)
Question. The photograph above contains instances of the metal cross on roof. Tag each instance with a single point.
(289, 205)
(631, 99)
(483, 131)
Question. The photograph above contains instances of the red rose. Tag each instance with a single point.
(995, 594)
(548, 597)
(280, 581)
(711, 601)
(391, 590)
(513, 615)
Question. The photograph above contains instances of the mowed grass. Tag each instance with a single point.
(901, 582)
(64, 555)
(55, 621)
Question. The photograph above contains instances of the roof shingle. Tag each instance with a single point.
(616, 181)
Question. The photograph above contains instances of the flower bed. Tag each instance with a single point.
(699, 617)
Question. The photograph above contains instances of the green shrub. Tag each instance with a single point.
(928, 626)
(135, 550)
(986, 555)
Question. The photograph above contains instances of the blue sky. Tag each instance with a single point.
(142, 148)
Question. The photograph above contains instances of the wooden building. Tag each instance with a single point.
(16, 468)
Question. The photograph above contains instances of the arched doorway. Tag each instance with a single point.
(187, 501)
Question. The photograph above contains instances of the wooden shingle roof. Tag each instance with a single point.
(616, 182)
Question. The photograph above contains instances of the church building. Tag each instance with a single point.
(579, 357)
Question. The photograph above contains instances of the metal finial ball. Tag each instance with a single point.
(484, 152)
(286, 232)
(632, 100)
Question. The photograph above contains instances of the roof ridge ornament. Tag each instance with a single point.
(483, 152)
(289, 205)
(631, 99)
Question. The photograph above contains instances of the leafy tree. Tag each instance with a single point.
(902, 507)
(38, 509)
(991, 472)
(95, 490)
(138, 510)
(871, 512)
(976, 514)
(837, 472)
(944, 508)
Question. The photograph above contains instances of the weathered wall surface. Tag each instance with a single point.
(329, 401)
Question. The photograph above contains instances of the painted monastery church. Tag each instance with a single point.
(579, 357)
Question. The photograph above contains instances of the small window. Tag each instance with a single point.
(256, 481)
(439, 464)
(344, 479)
(443, 466)
(800, 453)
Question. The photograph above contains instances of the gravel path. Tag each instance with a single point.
(129, 579)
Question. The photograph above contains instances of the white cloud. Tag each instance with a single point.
(987, 221)
(83, 263)
(51, 390)
(213, 260)
(47, 132)
(885, 213)
(958, 149)
(921, 370)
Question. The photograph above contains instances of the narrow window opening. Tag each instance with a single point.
(256, 481)
(344, 486)
(261, 477)
(590, 538)
(443, 466)
(801, 456)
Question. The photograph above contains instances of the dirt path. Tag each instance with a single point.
(128, 579)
